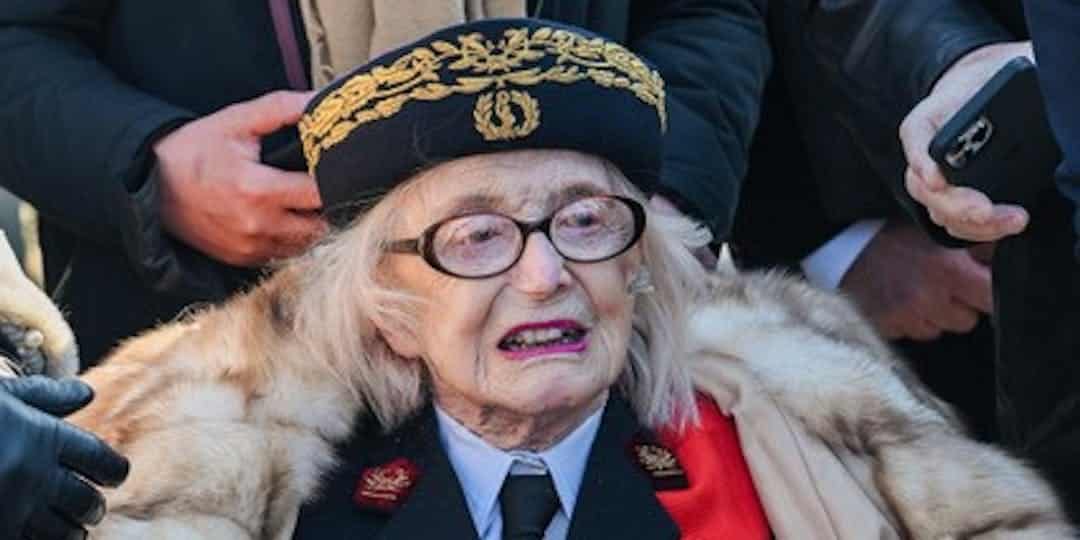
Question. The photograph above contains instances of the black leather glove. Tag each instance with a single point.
(45, 462)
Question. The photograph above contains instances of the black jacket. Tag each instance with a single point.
(88, 85)
(875, 59)
(617, 499)
(1054, 35)
(827, 152)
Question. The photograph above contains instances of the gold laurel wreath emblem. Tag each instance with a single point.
(504, 125)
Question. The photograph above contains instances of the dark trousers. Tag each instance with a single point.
(1037, 302)
(959, 368)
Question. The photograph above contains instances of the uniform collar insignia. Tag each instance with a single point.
(658, 462)
(386, 487)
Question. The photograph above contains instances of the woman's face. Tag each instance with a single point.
(547, 336)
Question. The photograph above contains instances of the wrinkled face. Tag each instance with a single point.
(545, 337)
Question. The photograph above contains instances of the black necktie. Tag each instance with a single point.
(528, 504)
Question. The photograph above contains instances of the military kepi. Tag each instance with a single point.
(482, 87)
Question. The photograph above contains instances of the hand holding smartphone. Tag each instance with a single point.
(1000, 142)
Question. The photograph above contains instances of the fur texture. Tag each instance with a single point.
(229, 423)
(823, 364)
(23, 305)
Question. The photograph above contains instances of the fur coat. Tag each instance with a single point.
(229, 425)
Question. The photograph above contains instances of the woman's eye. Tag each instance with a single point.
(477, 231)
(579, 220)
(583, 220)
(481, 235)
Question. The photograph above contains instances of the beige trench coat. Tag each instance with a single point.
(809, 492)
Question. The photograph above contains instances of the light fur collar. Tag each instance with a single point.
(823, 364)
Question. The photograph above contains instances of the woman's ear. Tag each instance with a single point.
(633, 262)
(401, 339)
(402, 342)
(640, 282)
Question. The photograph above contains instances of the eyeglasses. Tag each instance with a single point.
(484, 244)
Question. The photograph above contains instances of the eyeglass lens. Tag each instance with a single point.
(586, 230)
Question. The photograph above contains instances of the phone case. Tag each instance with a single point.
(1000, 142)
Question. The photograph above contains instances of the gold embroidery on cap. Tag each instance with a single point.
(480, 65)
(505, 124)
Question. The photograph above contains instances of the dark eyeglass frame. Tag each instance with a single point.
(424, 245)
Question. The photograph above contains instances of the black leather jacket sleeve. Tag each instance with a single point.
(890, 52)
(878, 58)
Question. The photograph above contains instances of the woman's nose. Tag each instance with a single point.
(540, 271)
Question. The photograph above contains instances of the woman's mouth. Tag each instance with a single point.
(549, 337)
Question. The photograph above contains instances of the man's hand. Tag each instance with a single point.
(964, 212)
(217, 197)
(911, 287)
(47, 465)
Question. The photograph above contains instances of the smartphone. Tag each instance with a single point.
(1000, 141)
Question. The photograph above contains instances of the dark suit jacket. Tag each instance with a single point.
(876, 59)
(617, 499)
(1038, 278)
(827, 151)
(1054, 25)
(88, 85)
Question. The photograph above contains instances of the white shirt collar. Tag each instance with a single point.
(481, 468)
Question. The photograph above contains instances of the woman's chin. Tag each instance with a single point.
(563, 392)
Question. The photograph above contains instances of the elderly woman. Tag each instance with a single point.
(503, 341)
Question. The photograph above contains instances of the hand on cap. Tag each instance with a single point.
(964, 212)
(216, 195)
(47, 466)
(910, 287)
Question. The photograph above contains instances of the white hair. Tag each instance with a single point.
(344, 300)
(656, 380)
